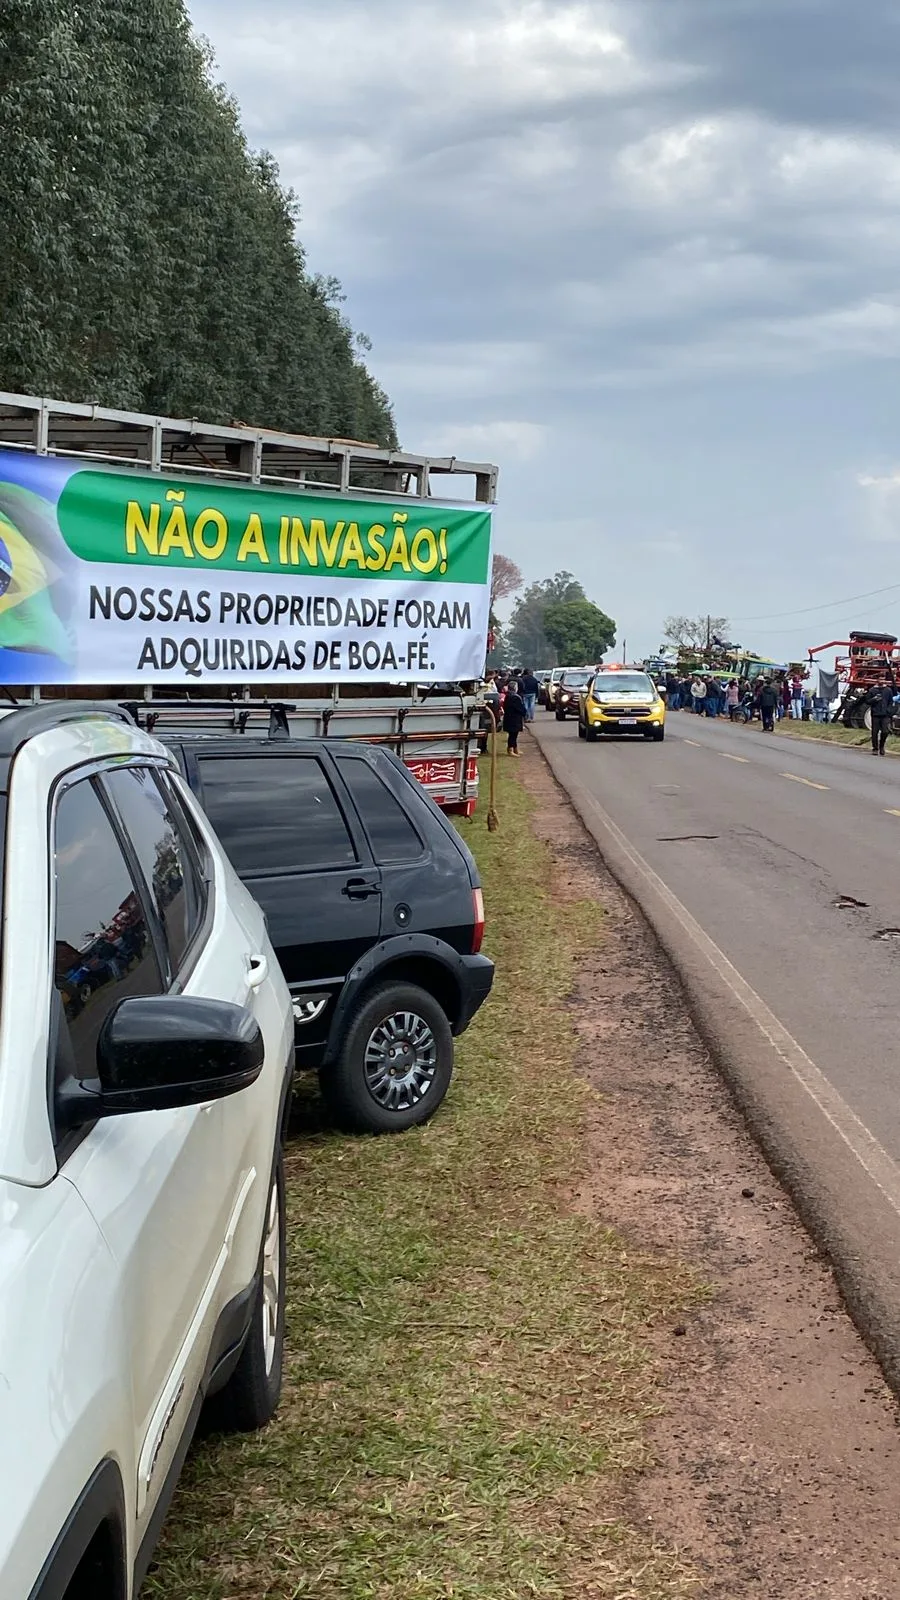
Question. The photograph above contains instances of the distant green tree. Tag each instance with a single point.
(527, 642)
(150, 259)
(579, 631)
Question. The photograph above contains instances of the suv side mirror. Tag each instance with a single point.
(157, 1052)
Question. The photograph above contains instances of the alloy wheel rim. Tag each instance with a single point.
(400, 1061)
(271, 1300)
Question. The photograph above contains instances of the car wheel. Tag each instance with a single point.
(560, 716)
(658, 735)
(591, 735)
(395, 1063)
(250, 1397)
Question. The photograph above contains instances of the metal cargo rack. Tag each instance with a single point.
(304, 719)
(237, 453)
(413, 732)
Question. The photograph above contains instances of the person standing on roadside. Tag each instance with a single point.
(528, 689)
(732, 698)
(513, 717)
(880, 701)
(698, 696)
(768, 703)
(796, 697)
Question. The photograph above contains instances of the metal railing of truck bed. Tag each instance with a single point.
(286, 720)
(237, 452)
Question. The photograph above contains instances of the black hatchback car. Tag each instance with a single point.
(373, 905)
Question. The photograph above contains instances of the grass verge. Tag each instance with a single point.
(834, 733)
(826, 733)
(468, 1379)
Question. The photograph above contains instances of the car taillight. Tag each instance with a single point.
(478, 930)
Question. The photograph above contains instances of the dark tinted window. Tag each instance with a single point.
(103, 948)
(165, 858)
(392, 834)
(275, 813)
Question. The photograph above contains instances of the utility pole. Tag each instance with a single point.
(708, 632)
(624, 643)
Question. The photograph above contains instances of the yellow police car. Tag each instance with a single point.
(621, 700)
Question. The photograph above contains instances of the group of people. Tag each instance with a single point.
(770, 699)
(518, 691)
(766, 698)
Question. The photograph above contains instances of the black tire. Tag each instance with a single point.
(250, 1397)
(582, 730)
(560, 716)
(658, 735)
(591, 734)
(353, 1094)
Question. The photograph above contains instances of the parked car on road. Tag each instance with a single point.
(552, 686)
(616, 702)
(374, 907)
(543, 679)
(141, 1117)
(570, 686)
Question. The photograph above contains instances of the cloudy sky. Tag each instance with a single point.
(643, 253)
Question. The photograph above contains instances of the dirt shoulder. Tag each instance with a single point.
(777, 1451)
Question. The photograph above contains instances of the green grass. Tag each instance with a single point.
(468, 1380)
(829, 733)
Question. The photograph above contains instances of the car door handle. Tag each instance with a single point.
(258, 971)
(360, 888)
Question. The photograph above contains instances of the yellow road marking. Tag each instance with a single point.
(808, 781)
(890, 812)
(727, 757)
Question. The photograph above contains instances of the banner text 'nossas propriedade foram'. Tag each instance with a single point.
(113, 574)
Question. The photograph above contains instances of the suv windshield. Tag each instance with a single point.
(623, 683)
(575, 680)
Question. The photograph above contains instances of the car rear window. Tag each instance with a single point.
(275, 814)
(391, 834)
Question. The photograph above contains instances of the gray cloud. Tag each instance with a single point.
(646, 253)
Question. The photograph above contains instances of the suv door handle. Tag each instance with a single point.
(361, 888)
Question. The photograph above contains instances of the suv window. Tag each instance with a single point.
(164, 857)
(275, 813)
(103, 949)
(392, 834)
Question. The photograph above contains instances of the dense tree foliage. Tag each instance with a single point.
(150, 259)
(579, 631)
(526, 640)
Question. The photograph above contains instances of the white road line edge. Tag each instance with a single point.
(808, 781)
(726, 757)
(872, 1156)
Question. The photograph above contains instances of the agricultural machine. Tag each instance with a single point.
(869, 658)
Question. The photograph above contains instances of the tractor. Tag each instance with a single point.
(869, 657)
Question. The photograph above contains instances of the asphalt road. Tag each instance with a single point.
(770, 868)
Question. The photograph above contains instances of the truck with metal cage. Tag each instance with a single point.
(230, 578)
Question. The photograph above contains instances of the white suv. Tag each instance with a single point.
(146, 1054)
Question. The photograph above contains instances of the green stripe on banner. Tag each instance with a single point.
(141, 521)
